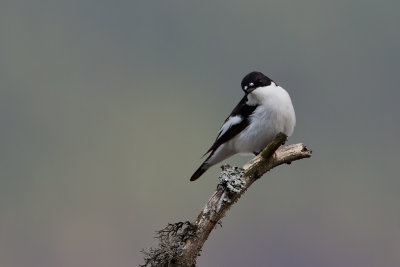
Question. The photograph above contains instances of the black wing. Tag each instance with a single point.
(243, 111)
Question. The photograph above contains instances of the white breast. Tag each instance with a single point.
(274, 114)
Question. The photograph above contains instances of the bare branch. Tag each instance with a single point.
(233, 183)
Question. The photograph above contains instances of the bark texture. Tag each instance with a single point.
(181, 243)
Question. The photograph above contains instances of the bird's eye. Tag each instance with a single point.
(251, 84)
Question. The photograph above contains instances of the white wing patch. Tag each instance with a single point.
(229, 123)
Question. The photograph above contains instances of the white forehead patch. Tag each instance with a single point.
(245, 87)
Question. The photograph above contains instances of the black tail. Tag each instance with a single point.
(199, 172)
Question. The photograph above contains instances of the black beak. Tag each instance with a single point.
(249, 90)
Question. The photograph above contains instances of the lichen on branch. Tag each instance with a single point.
(181, 243)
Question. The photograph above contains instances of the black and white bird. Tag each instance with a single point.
(265, 110)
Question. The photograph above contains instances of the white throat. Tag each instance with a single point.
(261, 94)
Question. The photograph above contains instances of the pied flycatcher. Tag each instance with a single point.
(265, 110)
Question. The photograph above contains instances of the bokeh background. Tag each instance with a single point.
(107, 106)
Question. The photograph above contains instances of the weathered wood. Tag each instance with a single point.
(234, 182)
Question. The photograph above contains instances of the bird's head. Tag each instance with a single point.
(254, 80)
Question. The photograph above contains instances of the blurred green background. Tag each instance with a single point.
(107, 106)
